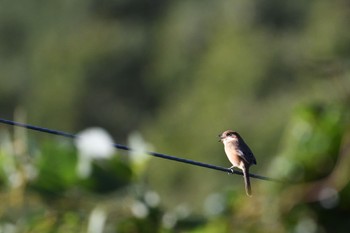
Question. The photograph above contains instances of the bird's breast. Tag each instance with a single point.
(232, 155)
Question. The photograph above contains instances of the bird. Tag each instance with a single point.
(239, 154)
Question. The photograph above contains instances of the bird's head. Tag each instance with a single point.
(228, 136)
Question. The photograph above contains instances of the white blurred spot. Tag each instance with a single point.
(182, 211)
(31, 171)
(169, 220)
(15, 179)
(214, 204)
(139, 209)
(328, 198)
(95, 143)
(139, 148)
(8, 163)
(138, 153)
(152, 199)
(286, 167)
(84, 167)
(306, 225)
(92, 143)
(8, 228)
(97, 220)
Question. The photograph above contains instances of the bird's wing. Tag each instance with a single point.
(246, 154)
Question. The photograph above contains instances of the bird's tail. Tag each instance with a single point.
(248, 189)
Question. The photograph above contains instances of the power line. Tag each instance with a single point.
(122, 147)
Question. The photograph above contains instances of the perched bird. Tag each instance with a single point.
(239, 154)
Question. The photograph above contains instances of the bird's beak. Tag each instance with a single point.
(220, 136)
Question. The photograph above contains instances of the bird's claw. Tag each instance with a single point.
(231, 169)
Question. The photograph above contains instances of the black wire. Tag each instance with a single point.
(122, 147)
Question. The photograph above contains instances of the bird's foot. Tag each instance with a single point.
(231, 169)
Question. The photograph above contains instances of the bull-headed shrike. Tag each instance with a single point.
(239, 154)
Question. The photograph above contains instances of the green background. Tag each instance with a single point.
(176, 74)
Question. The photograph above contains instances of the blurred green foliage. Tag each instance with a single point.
(179, 73)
